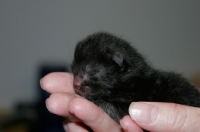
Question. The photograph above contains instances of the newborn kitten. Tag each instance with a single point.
(112, 74)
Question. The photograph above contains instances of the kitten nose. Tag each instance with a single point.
(77, 82)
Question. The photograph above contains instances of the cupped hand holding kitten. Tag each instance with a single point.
(64, 102)
(156, 117)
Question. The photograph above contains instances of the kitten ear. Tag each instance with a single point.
(119, 60)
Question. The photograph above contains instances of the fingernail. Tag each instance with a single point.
(124, 126)
(143, 112)
(41, 81)
(65, 126)
(47, 105)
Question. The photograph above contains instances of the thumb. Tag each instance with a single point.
(165, 117)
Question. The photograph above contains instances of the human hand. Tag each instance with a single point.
(64, 102)
(166, 117)
(162, 117)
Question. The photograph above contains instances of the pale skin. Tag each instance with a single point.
(79, 112)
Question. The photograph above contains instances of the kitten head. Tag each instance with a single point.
(102, 63)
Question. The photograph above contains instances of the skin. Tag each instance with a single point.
(169, 117)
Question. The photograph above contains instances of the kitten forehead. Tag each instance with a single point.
(98, 42)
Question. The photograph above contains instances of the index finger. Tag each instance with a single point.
(58, 82)
(93, 116)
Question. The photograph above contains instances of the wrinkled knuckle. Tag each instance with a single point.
(177, 117)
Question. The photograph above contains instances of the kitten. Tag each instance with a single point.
(112, 74)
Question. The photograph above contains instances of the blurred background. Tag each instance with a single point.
(38, 37)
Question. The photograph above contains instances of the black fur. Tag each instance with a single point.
(112, 74)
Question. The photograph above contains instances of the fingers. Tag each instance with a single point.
(58, 103)
(74, 127)
(165, 117)
(93, 116)
(58, 82)
(129, 126)
(67, 105)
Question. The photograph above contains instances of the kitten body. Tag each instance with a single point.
(112, 74)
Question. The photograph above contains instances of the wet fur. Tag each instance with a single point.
(112, 74)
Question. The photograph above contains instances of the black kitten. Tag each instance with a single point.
(112, 74)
